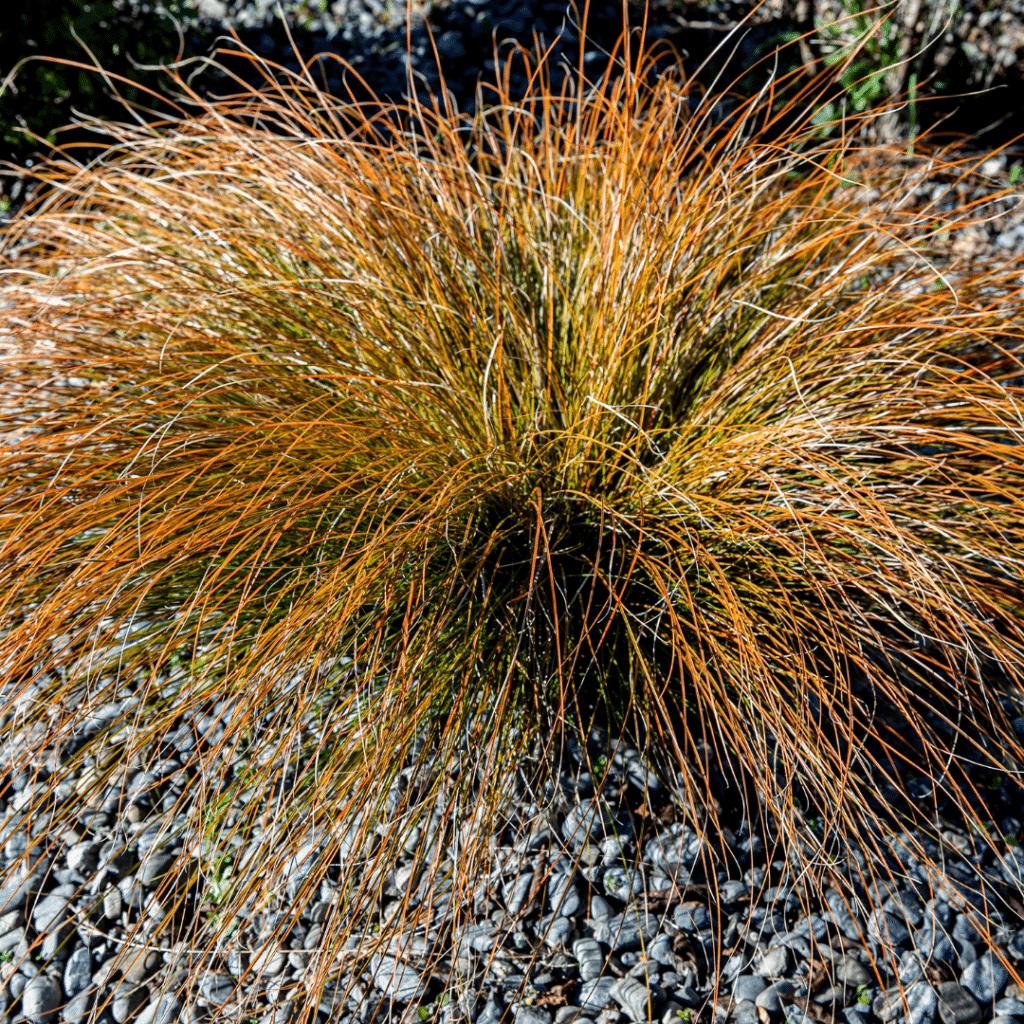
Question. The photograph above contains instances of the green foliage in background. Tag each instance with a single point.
(40, 96)
(866, 59)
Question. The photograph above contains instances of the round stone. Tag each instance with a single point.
(398, 980)
(166, 1010)
(82, 857)
(450, 44)
(887, 929)
(216, 989)
(590, 958)
(128, 1001)
(986, 978)
(590, 821)
(40, 999)
(77, 972)
(596, 994)
(773, 963)
(748, 987)
(771, 998)
(957, 1005)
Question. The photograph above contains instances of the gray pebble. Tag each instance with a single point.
(945, 949)
(406, 875)
(773, 963)
(629, 930)
(14, 893)
(556, 931)
(570, 1015)
(531, 1015)
(852, 972)
(398, 980)
(661, 951)
(814, 925)
(887, 929)
(153, 867)
(491, 1013)
(731, 891)
(112, 904)
(49, 912)
(938, 912)
(216, 989)
(692, 918)
(82, 857)
(615, 850)
(166, 1010)
(639, 1001)
(841, 915)
(518, 893)
(591, 821)
(40, 999)
(138, 966)
(748, 987)
(12, 919)
(298, 959)
(16, 845)
(957, 1005)
(77, 972)
(141, 783)
(688, 997)
(53, 947)
(128, 1000)
(269, 962)
(564, 897)
(922, 1003)
(905, 907)
(770, 998)
(965, 931)
(621, 884)
(76, 1010)
(596, 994)
(590, 958)
(744, 1013)
(479, 937)
(237, 961)
(794, 1015)
(986, 978)
(11, 940)
(910, 967)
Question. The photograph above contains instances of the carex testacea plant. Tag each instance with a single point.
(393, 454)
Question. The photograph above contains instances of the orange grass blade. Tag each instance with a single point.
(395, 465)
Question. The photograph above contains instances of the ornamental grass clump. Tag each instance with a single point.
(369, 466)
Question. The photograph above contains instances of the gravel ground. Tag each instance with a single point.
(587, 914)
